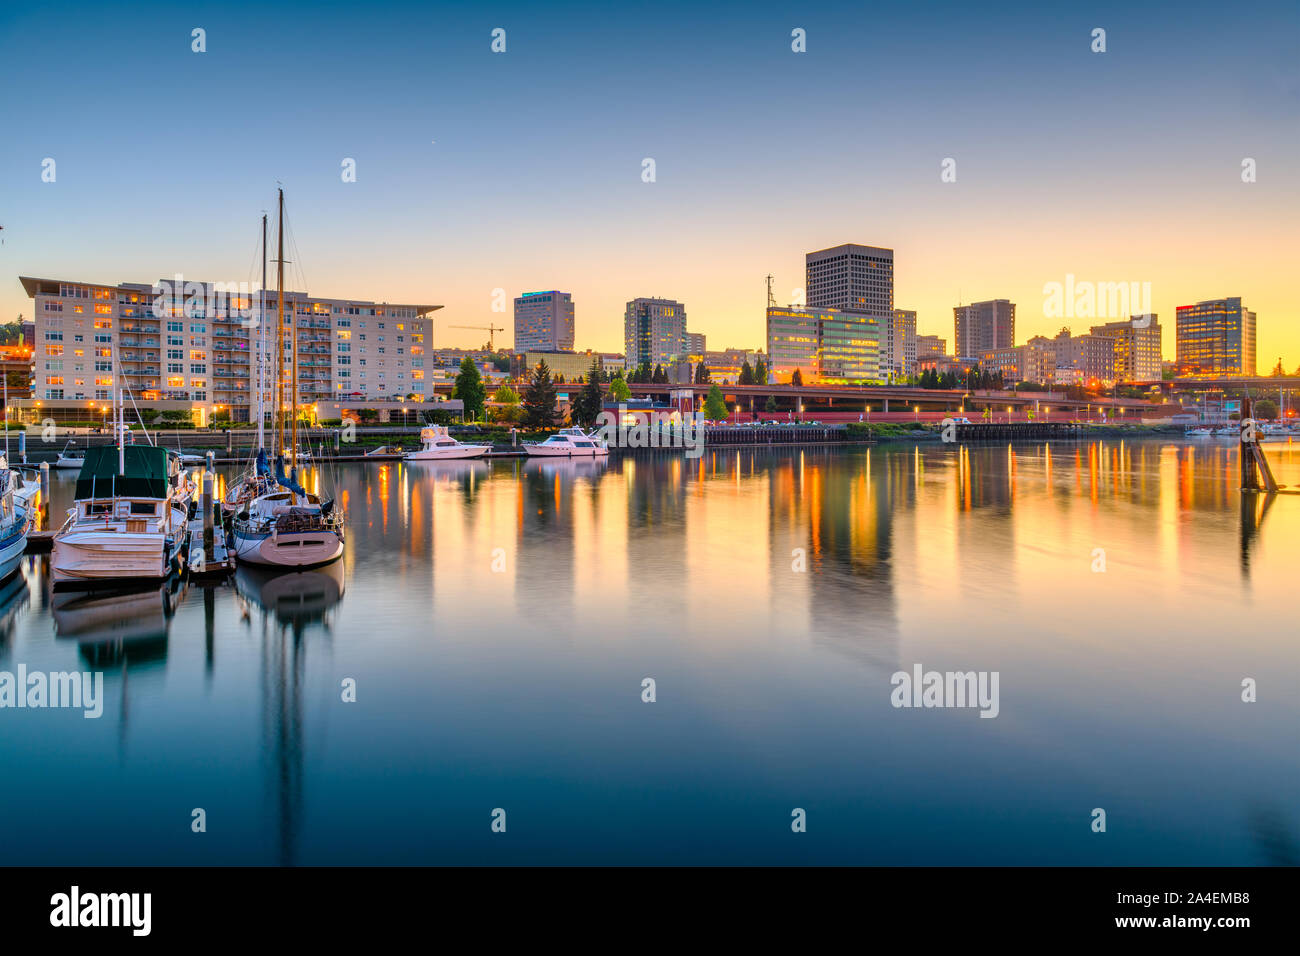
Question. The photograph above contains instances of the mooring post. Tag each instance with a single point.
(44, 514)
(207, 516)
(1246, 454)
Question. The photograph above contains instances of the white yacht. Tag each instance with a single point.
(1200, 431)
(568, 443)
(70, 457)
(289, 528)
(128, 522)
(438, 445)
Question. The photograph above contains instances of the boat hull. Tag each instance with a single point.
(293, 549)
(106, 557)
(536, 451)
(448, 454)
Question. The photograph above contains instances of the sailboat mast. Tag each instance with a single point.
(261, 349)
(121, 437)
(279, 336)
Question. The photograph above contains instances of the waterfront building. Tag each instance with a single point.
(1216, 337)
(654, 331)
(544, 322)
(197, 348)
(826, 345)
(1138, 344)
(983, 326)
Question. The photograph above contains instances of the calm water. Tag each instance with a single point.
(511, 678)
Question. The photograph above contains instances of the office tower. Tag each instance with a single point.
(544, 322)
(695, 343)
(1216, 337)
(984, 326)
(851, 278)
(826, 345)
(1137, 347)
(195, 344)
(654, 331)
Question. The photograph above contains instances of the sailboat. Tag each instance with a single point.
(284, 525)
(128, 521)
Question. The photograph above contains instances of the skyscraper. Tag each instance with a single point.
(984, 326)
(1216, 337)
(544, 322)
(851, 278)
(654, 331)
(900, 345)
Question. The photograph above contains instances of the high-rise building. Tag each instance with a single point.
(695, 343)
(544, 322)
(1216, 337)
(654, 331)
(1138, 344)
(984, 326)
(901, 343)
(931, 346)
(826, 345)
(195, 342)
(1092, 356)
(851, 278)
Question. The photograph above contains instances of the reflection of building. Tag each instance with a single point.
(654, 331)
(984, 326)
(544, 322)
(1216, 337)
(825, 345)
(196, 342)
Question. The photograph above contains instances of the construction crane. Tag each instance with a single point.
(489, 329)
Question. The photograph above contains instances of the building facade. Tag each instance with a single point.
(696, 344)
(1216, 337)
(851, 278)
(544, 322)
(573, 364)
(825, 345)
(1138, 347)
(931, 346)
(654, 331)
(900, 344)
(197, 342)
(984, 326)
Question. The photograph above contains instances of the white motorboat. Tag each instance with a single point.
(1228, 431)
(128, 522)
(438, 445)
(70, 457)
(1198, 432)
(568, 443)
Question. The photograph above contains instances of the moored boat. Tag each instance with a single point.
(438, 445)
(568, 443)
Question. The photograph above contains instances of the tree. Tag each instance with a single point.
(539, 399)
(701, 373)
(470, 389)
(659, 376)
(586, 406)
(618, 389)
(760, 372)
(796, 377)
(770, 405)
(715, 409)
(746, 373)
(1278, 371)
(1265, 408)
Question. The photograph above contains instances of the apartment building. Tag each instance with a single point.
(188, 343)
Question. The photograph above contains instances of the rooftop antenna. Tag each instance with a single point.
(771, 299)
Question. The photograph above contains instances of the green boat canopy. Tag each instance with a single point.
(145, 476)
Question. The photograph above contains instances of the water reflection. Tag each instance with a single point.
(773, 592)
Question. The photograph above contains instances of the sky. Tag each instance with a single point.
(523, 170)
